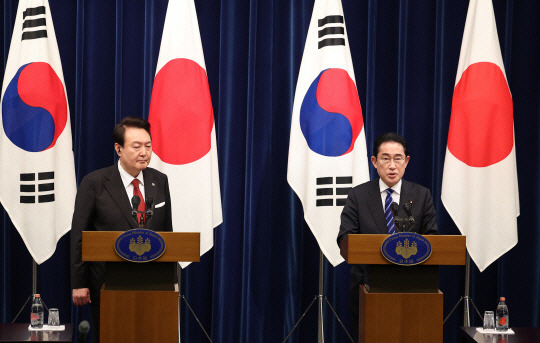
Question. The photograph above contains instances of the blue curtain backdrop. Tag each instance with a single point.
(263, 270)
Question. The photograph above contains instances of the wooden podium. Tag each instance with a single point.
(138, 300)
(401, 303)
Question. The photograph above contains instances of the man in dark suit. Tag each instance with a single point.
(364, 210)
(103, 203)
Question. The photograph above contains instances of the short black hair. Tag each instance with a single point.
(389, 137)
(120, 128)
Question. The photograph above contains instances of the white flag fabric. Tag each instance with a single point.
(182, 126)
(479, 187)
(37, 172)
(327, 151)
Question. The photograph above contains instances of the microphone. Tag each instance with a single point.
(395, 208)
(397, 220)
(135, 201)
(149, 208)
(408, 209)
(84, 328)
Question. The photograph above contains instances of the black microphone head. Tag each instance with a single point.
(135, 201)
(149, 202)
(149, 207)
(84, 327)
(395, 208)
(408, 208)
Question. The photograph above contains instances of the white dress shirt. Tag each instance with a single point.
(395, 195)
(127, 179)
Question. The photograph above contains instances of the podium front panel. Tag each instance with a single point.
(139, 316)
(366, 249)
(98, 246)
(400, 317)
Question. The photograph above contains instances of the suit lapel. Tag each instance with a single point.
(406, 194)
(375, 206)
(116, 189)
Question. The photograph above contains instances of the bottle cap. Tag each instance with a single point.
(502, 298)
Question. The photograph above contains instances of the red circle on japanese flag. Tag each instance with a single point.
(181, 115)
(481, 126)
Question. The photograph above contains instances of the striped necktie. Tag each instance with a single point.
(388, 211)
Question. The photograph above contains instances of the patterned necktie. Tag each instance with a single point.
(388, 212)
(137, 191)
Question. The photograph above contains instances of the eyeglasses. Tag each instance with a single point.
(396, 159)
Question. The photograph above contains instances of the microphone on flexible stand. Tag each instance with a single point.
(84, 328)
(135, 201)
(408, 209)
(149, 208)
(395, 208)
(397, 220)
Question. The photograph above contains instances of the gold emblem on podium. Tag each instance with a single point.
(139, 247)
(406, 249)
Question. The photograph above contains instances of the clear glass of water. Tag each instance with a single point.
(489, 320)
(54, 317)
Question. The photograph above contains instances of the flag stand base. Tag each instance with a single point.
(466, 299)
(183, 297)
(34, 291)
(320, 297)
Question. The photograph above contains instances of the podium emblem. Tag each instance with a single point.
(139, 245)
(406, 248)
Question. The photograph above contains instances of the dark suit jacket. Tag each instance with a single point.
(364, 213)
(102, 204)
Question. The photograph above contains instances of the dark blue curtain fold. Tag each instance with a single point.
(264, 268)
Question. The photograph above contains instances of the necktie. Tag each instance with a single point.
(388, 212)
(137, 191)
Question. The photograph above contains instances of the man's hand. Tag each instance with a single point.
(81, 296)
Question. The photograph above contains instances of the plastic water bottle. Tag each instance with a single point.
(36, 313)
(501, 316)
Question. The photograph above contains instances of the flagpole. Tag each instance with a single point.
(34, 276)
(465, 298)
(179, 276)
(466, 307)
(320, 297)
(34, 291)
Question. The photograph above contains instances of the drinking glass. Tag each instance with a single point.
(54, 317)
(489, 320)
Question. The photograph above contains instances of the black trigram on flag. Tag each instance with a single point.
(331, 31)
(41, 187)
(34, 23)
(328, 190)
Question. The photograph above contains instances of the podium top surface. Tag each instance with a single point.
(98, 246)
(366, 249)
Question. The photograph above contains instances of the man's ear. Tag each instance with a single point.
(117, 148)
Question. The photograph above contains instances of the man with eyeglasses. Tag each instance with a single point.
(364, 210)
